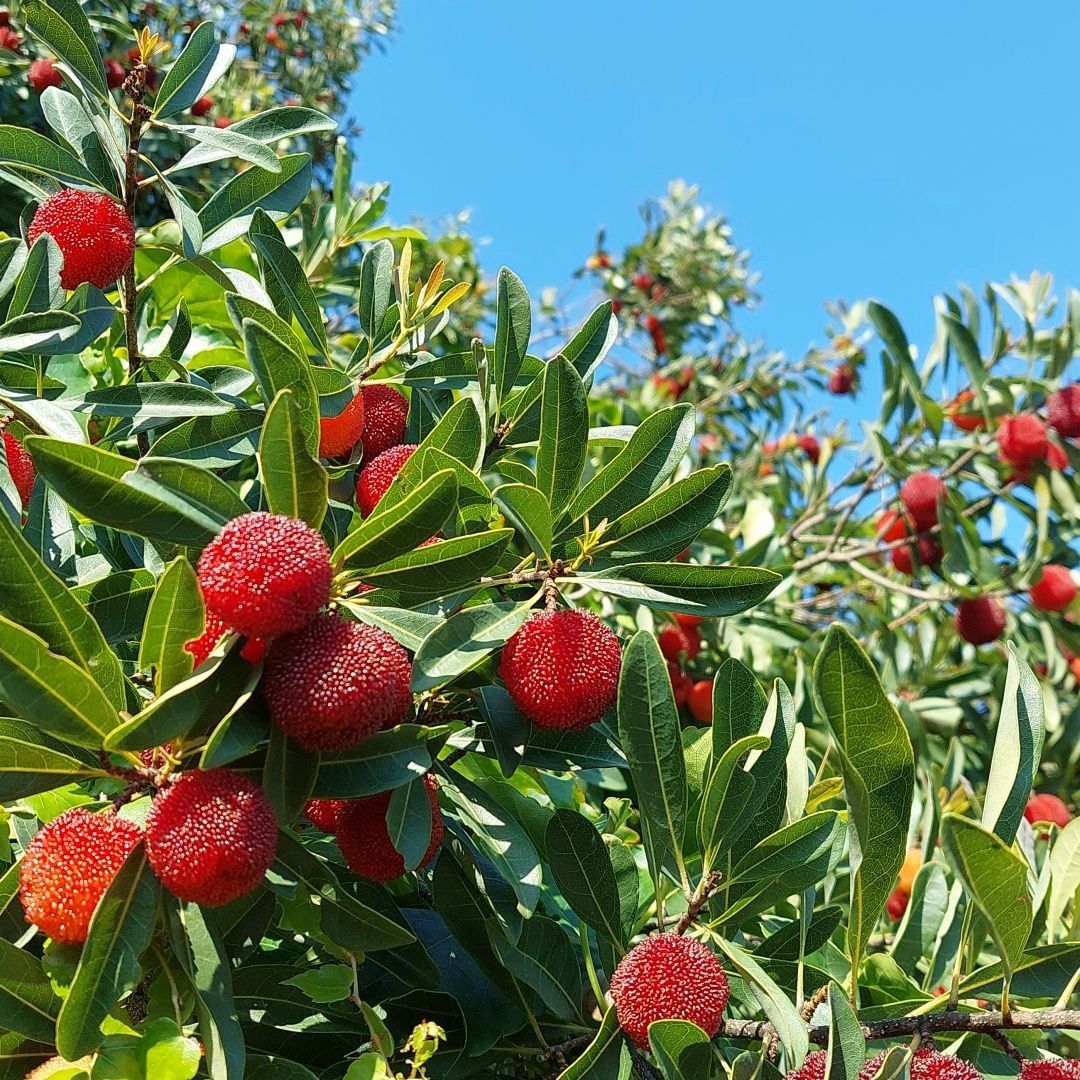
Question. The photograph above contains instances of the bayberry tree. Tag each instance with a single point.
(391, 690)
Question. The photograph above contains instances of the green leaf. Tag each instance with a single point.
(967, 349)
(564, 425)
(278, 367)
(215, 442)
(583, 873)
(376, 270)
(527, 510)
(408, 628)
(64, 29)
(386, 760)
(1064, 872)
(513, 326)
(187, 486)
(27, 1002)
(119, 602)
(649, 733)
(681, 1049)
(739, 705)
(408, 821)
(25, 151)
(44, 332)
(120, 931)
(288, 776)
(37, 287)
(29, 766)
(441, 568)
(151, 403)
(326, 983)
(588, 347)
(72, 124)
(50, 690)
(543, 958)
(726, 797)
(201, 63)
(607, 1057)
(294, 482)
(175, 617)
(847, 1046)
(996, 879)
(878, 766)
(459, 433)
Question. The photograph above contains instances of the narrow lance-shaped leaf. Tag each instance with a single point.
(201, 63)
(294, 482)
(376, 270)
(564, 423)
(513, 326)
(277, 367)
(175, 617)
(64, 28)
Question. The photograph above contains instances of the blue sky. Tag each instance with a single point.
(859, 149)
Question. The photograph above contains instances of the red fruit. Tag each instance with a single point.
(1063, 411)
(562, 668)
(842, 380)
(300, 18)
(322, 813)
(927, 1064)
(273, 38)
(701, 701)
(339, 434)
(616, 306)
(21, 467)
(920, 494)
(897, 904)
(1055, 589)
(67, 867)
(653, 323)
(810, 447)
(378, 474)
(42, 75)
(92, 232)
(202, 646)
(202, 106)
(386, 411)
(890, 527)
(1056, 457)
(265, 574)
(211, 836)
(335, 683)
(1022, 440)
(681, 683)
(223, 122)
(5, 18)
(688, 622)
(669, 977)
(644, 282)
(1050, 1069)
(960, 412)
(1047, 807)
(9, 39)
(981, 620)
(115, 74)
(903, 558)
(281, 19)
(365, 841)
(813, 1068)
(676, 640)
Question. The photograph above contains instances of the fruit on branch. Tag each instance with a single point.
(202, 106)
(561, 668)
(265, 574)
(378, 474)
(223, 122)
(890, 527)
(960, 411)
(92, 232)
(688, 622)
(1050, 1069)
(335, 683)
(211, 836)
(1063, 411)
(669, 977)
(599, 260)
(930, 553)
(897, 904)
(1055, 589)
(926, 1064)
(677, 641)
(202, 646)
(644, 282)
(700, 700)
(980, 620)
(322, 813)
(43, 74)
(1046, 807)
(68, 865)
(1056, 457)
(20, 466)
(386, 413)
(810, 446)
(115, 74)
(9, 39)
(339, 434)
(1022, 440)
(364, 839)
(920, 494)
(842, 380)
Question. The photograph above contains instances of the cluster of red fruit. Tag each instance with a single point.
(807, 443)
(680, 642)
(9, 39)
(930, 1064)
(644, 291)
(280, 24)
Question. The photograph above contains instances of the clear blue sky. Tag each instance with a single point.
(859, 149)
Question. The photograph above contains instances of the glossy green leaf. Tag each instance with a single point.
(408, 821)
(544, 958)
(386, 760)
(288, 776)
(62, 26)
(726, 797)
(278, 367)
(441, 568)
(175, 617)
(513, 326)
(847, 1046)
(564, 423)
(201, 63)
(29, 766)
(376, 271)
(27, 1002)
(528, 511)
(294, 483)
(681, 1049)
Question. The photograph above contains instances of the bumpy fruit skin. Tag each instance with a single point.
(67, 867)
(1050, 1069)
(92, 232)
(211, 836)
(919, 494)
(265, 574)
(378, 474)
(339, 434)
(677, 640)
(21, 467)
(1055, 589)
(322, 813)
(335, 683)
(669, 977)
(1022, 440)
(562, 669)
(813, 1068)
(202, 646)
(928, 1064)
(1047, 807)
(42, 75)
(700, 701)
(903, 558)
(364, 839)
(386, 413)
(981, 620)
(1063, 411)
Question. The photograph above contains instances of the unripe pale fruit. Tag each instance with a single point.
(92, 232)
(364, 839)
(386, 414)
(322, 813)
(919, 494)
(335, 683)
(21, 467)
(378, 474)
(912, 863)
(700, 701)
(681, 683)
(1022, 440)
(676, 641)
(339, 434)
(1063, 411)
(211, 836)
(669, 977)
(1055, 589)
(43, 74)
(265, 574)
(980, 620)
(1047, 807)
(562, 668)
(67, 867)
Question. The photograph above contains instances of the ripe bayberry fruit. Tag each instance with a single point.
(1050, 1069)
(842, 380)
(681, 683)
(265, 574)
(378, 474)
(322, 813)
(114, 74)
(897, 904)
(67, 867)
(675, 641)
(688, 622)
(223, 122)
(1022, 440)
(1056, 457)
(562, 668)
(211, 836)
(700, 701)
(903, 558)
(9, 39)
(962, 414)
(1063, 411)
(364, 839)
(92, 232)
(890, 526)
(644, 282)
(920, 494)
(202, 106)
(339, 434)
(809, 445)
(386, 414)
(1047, 807)
(669, 977)
(43, 74)
(980, 620)
(281, 18)
(202, 646)
(21, 467)
(1055, 589)
(335, 683)
(926, 1064)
